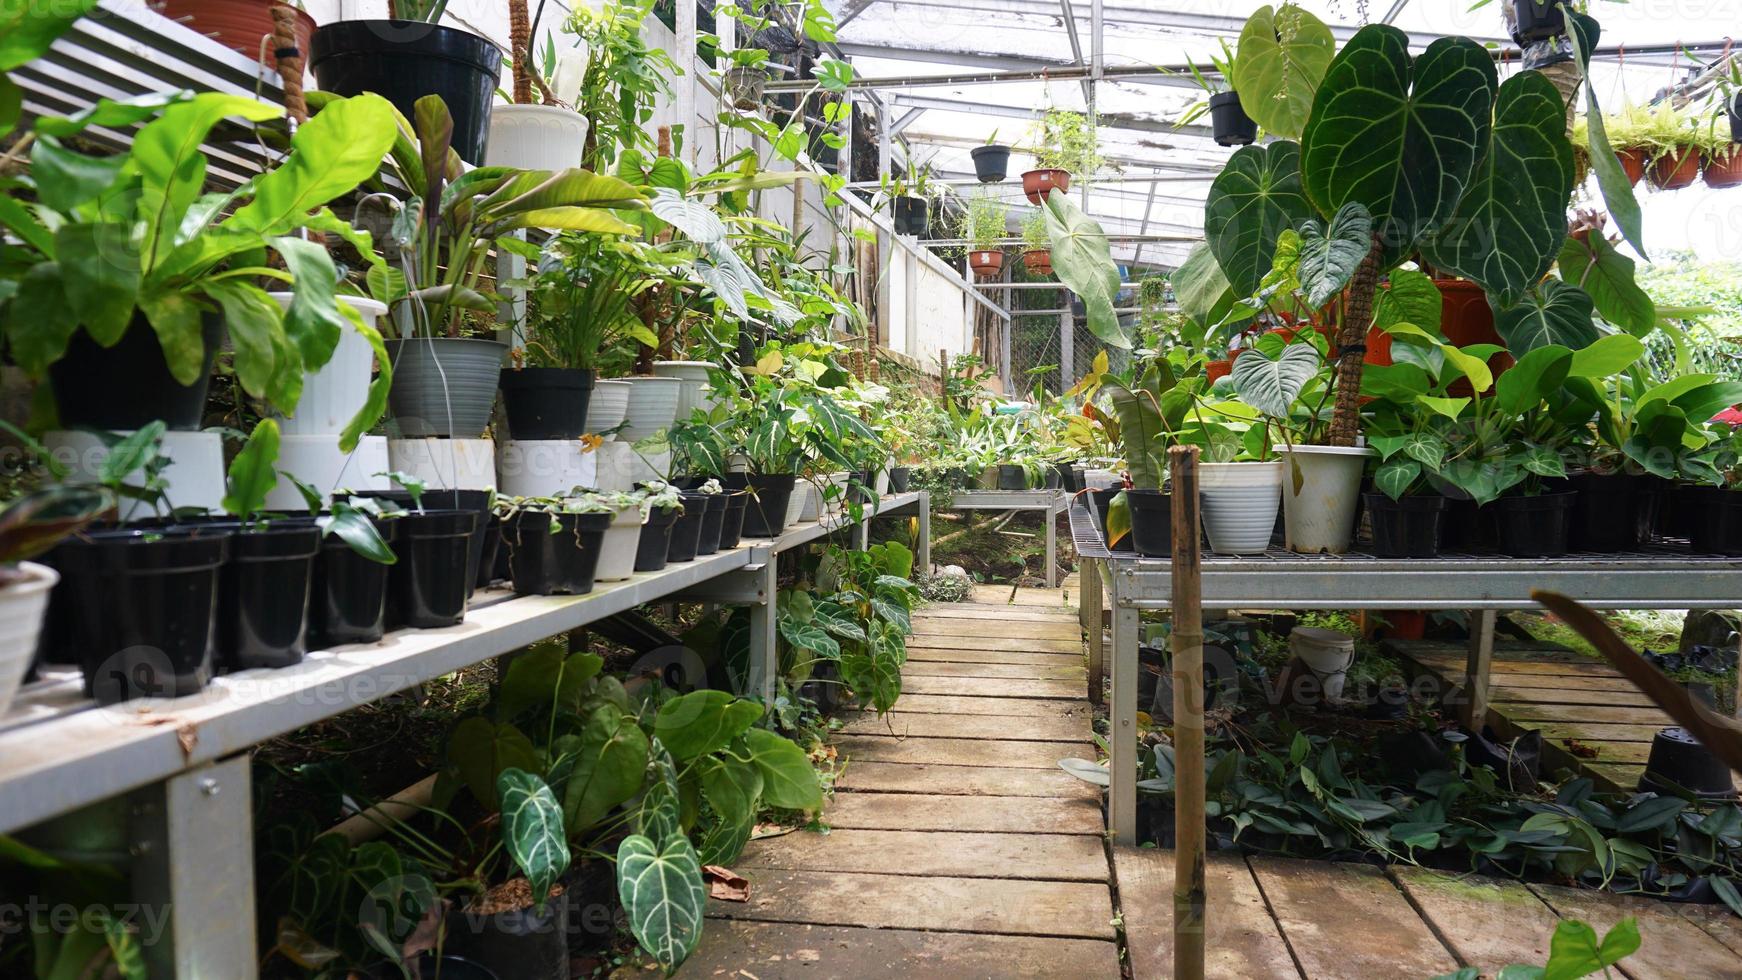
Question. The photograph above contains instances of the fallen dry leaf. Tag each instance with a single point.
(725, 884)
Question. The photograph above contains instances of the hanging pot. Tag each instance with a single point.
(444, 386)
(911, 215)
(537, 137)
(1632, 160)
(1677, 168)
(1240, 502)
(23, 606)
(991, 162)
(1724, 169)
(348, 601)
(403, 61)
(1321, 486)
(546, 403)
(1534, 527)
(743, 86)
(1229, 123)
(1536, 20)
(1038, 261)
(560, 562)
(986, 264)
(1037, 184)
(237, 24)
(128, 386)
(1405, 528)
(1734, 111)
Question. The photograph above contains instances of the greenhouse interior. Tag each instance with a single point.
(864, 488)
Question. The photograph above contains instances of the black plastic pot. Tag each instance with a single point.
(765, 517)
(1102, 500)
(732, 519)
(991, 162)
(1012, 477)
(686, 531)
(546, 403)
(542, 562)
(1605, 511)
(147, 604)
(1151, 522)
(522, 944)
(713, 522)
(1717, 520)
(1406, 528)
(1678, 759)
(1537, 20)
(263, 593)
(431, 581)
(128, 386)
(1654, 495)
(479, 571)
(1069, 476)
(1534, 527)
(911, 215)
(432, 967)
(348, 603)
(491, 540)
(655, 547)
(403, 61)
(1467, 527)
(1229, 123)
(900, 478)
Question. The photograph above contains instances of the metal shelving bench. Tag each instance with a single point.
(1048, 503)
(1658, 577)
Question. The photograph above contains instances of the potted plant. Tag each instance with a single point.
(428, 587)
(1715, 524)
(982, 224)
(554, 543)
(1536, 20)
(125, 308)
(1150, 408)
(444, 380)
(238, 24)
(1662, 141)
(544, 135)
(991, 160)
(1723, 132)
(409, 57)
(1036, 244)
(909, 200)
(1229, 123)
(30, 526)
(1064, 146)
(661, 507)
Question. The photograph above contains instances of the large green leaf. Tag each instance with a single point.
(1611, 179)
(1282, 56)
(787, 777)
(481, 749)
(1409, 297)
(375, 403)
(1528, 382)
(1510, 223)
(1400, 136)
(1552, 313)
(662, 891)
(1202, 288)
(544, 676)
(28, 27)
(1083, 261)
(1596, 267)
(1257, 196)
(167, 155)
(101, 269)
(66, 179)
(253, 474)
(1329, 255)
(1606, 357)
(313, 322)
(1271, 386)
(532, 830)
(337, 149)
(611, 767)
(266, 364)
(703, 721)
(39, 323)
(733, 789)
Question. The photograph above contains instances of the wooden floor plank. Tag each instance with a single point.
(1001, 595)
(1017, 908)
(1039, 857)
(968, 814)
(959, 751)
(1488, 922)
(1349, 921)
(1565, 696)
(932, 668)
(993, 630)
(1241, 938)
(1670, 946)
(995, 687)
(1000, 706)
(1602, 733)
(1562, 682)
(1718, 922)
(1591, 713)
(969, 781)
(995, 644)
(964, 610)
(956, 655)
(733, 950)
(1576, 668)
(1072, 727)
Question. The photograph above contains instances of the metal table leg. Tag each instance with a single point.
(1052, 546)
(194, 843)
(764, 645)
(1477, 668)
(1089, 605)
(1122, 737)
(924, 532)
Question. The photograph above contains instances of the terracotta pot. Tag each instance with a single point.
(1466, 319)
(1038, 261)
(1676, 169)
(1218, 369)
(1037, 183)
(1632, 162)
(986, 264)
(1725, 172)
(236, 24)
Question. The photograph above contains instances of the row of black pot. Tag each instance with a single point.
(539, 561)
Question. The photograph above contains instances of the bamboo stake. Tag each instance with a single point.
(1188, 719)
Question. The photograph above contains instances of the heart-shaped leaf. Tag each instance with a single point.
(1553, 312)
(532, 830)
(1409, 297)
(1083, 261)
(1283, 55)
(1607, 276)
(703, 721)
(1257, 196)
(787, 777)
(662, 891)
(1330, 255)
(1271, 386)
(609, 768)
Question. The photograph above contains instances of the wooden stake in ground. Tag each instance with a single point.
(1188, 719)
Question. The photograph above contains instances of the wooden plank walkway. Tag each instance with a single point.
(956, 846)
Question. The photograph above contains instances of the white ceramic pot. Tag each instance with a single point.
(1327, 653)
(1239, 503)
(1320, 487)
(335, 392)
(536, 137)
(805, 504)
(617, 548)
(22, 606)
(610, 403)
(652, 407)
(317, 461)
(446, 464)
(695, 377)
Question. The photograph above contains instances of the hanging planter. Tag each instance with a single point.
(743, 86)
(1038, 261)
(1037, 184)
(912, 215)
(1676, 169)
(991, 162)
(405, 60)
(986, 264)
(1724, 168)
(537, 137)
(1536, 20)
(1632, 160)
(1229, 123)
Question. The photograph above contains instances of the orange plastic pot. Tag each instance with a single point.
(236, 24)
(1218, 369)
(1466, 319)
(1677, 169)
(1725, 171)
(986, 264)
(1038, 183)
(1632, 162)
(1038, 261)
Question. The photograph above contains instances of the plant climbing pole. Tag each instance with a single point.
(1352, 347)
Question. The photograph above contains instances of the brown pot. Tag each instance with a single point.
(1676, 169)
(1632, 162)
(1038, 261)
(1725, 171)
(1038, 183)
(986, 264)
(236, 24)
(1466, 319)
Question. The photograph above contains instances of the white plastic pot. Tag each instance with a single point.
(610, 403)
(335, 392)
(536, 137)
(652, 407)
(1239, 503)
(1327, 653)
(446, 464)
(1320, 487)
(806, 504)
(694, 378)
(617, 547)
(317, 461)
(22, 606)
(1100, 479)
(544, 467)
(194, 476)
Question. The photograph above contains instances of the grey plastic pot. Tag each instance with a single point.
(444, 386)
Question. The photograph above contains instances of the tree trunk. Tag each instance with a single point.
(1352, 348)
